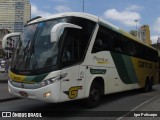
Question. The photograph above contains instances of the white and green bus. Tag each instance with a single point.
(74, 56)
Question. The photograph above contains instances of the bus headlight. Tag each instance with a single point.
(50, 81)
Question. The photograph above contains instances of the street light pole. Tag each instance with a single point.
(83, 6)
(136, 28)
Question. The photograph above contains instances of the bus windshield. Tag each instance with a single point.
(34, 49)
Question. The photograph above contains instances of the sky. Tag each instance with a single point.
(121, 13)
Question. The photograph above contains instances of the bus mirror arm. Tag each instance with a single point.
(58, 28)
(5, 38)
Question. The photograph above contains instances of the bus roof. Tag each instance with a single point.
(76, 14)
(95, 19)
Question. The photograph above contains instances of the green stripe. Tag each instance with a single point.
(125, 68)
(130, 69)
(37, 78)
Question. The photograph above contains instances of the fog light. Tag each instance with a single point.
(46, 94)
(9, 90)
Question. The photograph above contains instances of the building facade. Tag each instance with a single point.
(14, 14)
(3, 32)
(144, 34)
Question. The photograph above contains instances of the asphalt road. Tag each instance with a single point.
(125, 101)
(3, 76)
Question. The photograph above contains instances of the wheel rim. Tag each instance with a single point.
(95, 95)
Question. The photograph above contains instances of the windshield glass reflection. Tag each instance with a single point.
(34, 49)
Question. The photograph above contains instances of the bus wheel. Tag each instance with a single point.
(148, 86)
(151, 84)
(94, 96)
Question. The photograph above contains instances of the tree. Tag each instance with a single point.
(133, 32)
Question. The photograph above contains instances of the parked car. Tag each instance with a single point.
(2, 66)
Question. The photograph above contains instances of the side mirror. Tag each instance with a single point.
(57, 29)
(6, 37)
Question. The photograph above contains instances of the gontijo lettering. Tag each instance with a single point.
(144, 64)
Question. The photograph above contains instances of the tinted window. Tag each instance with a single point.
(103, 40)
(108, 40)
(76, 41)
(72, 46)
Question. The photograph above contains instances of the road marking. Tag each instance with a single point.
(135, 108)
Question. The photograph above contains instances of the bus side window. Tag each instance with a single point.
(70, 52)
(66, 55)
(102, 40)
(98, 45)
(117, 45)
(71, 47)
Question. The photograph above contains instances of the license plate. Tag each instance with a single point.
(23, 94)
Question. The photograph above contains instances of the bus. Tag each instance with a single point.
(71, 56)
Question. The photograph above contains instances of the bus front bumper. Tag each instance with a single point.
(49, 93)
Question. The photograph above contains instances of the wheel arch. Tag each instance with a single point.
(100, 81)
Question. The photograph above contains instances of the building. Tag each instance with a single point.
(3, 32)
(144, 34)
(14, 14)
(10, 44)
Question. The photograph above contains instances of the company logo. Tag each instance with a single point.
(100, 60)
(73, 92)
(20, 115)
(6, 114)
(142, 64)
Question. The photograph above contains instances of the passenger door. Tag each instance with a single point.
(70, 67)
(69, 83)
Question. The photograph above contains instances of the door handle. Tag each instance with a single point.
(66, 80)
(79, 79)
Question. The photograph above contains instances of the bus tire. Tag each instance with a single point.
(148, 85)
(151, 84)
(94, 98)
